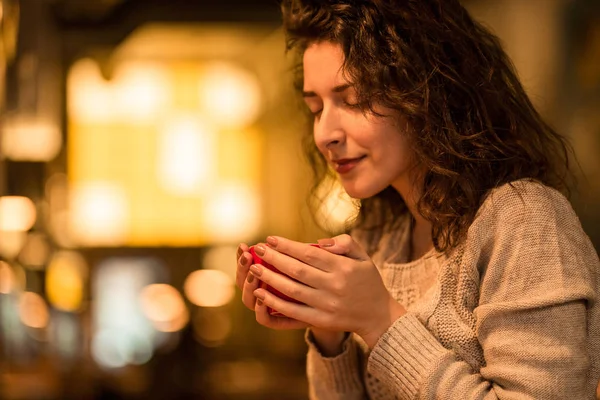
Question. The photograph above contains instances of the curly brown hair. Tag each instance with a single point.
(472, 126)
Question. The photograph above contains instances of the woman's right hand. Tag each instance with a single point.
(245, 280)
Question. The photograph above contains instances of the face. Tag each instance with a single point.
(368, 152)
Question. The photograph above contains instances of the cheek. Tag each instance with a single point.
(321, 149)
(394, 149)
(318, 146)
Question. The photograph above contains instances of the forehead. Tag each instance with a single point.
(323, 63)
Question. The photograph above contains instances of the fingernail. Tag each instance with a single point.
(260, 297)
(239, 251)
(272, 241)
(260, 249)
(326, 242)
(250, 278)
(256, 270)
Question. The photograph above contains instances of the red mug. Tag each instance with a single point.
(257, 260)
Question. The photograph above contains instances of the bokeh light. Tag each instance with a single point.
(233, 212)
(229, 95)
(89, 95)
(30, 138)
(7, 278)
(99, 214)
(334, 208)
(11, 243)
(66, 278)
(209, 288)
(140, 91)
(186, 155)
(114, 349)
(222, 258)
(36, 251)
(122, 334)
(164, 306)
(33, 310)
(17, 213)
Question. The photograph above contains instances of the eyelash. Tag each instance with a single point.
(352, 106)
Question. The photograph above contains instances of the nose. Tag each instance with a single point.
(328, 130)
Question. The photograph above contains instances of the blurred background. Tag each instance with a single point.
(142, 140)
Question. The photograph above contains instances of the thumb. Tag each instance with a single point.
(344, 245)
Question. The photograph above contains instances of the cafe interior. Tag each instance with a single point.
(142, 140)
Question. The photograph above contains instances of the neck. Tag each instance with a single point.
(421, 240)
(411, 192)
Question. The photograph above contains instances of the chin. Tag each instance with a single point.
(360, 192)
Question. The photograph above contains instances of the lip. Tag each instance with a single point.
(345, 165)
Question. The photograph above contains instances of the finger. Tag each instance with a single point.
(295, 311)
(243, 263)
(242, 247)
(288, 287)
(296, 269)
(344, 245)
(276, 322)
(250, 285)
(306, 253)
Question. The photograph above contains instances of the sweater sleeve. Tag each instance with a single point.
(537, 276)
(339, 377)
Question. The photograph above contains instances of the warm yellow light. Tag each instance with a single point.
(209, 288)
(65, 280)
(33, 310)
(221, 258)
(7, 278)
(140, 91)
(60, 229)
(99, 214)
(145, 156)
(336, 207)
(90, 97)
(57, 195)
(36, 251)
(186, 162)
(11, 243)
(30, 138)
(232, 212)
(17, 213)
(229, 95)
(162, 303)
(174, 325)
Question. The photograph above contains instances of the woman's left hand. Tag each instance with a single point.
(339, 284)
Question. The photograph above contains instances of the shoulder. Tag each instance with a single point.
(525, 201)
(529, 211)
(527, 229)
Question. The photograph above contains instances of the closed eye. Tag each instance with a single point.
(353, 105)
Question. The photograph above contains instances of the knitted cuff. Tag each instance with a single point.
(340, 374)
(405, 355)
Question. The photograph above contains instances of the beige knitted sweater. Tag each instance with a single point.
(509, 314)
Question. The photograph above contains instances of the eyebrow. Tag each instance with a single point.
(337, 89)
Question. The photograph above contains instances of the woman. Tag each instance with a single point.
(467, 274)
